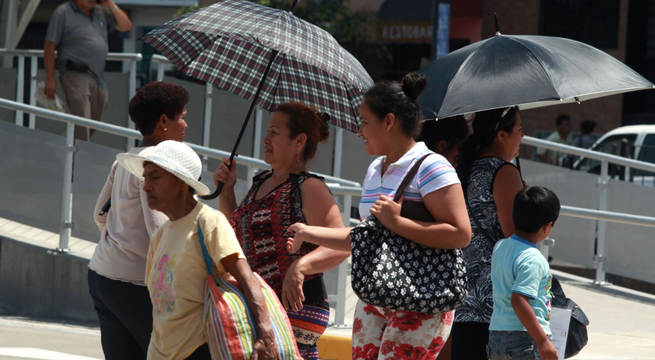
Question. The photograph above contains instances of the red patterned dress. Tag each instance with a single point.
(261, 227)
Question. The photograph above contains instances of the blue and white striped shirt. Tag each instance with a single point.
(434, 173)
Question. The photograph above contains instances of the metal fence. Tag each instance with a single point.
(344, 188)
(34, 55)
(339, 187)
(602, 215)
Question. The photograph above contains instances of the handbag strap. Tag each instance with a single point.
(477, 223)
(205, 253)
(408, 178)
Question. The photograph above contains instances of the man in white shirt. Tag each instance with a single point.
(562, 136)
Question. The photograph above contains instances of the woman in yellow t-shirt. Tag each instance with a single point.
(176, 271)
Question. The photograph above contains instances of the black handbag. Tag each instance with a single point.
(577, 337)
(392, 272)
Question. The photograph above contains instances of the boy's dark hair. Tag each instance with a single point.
(534, 207)
(562, 118)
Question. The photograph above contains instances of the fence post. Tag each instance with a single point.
(342, 272)
(603, 183)
(131, 92)
(250, 175)
(65, 223)
(20, 85)
(338, 152)
(207, 120)
(160, 71)
(33, 72)
(257, 137)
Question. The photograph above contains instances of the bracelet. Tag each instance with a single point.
(114, 9)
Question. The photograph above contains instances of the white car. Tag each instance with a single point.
(634, 142)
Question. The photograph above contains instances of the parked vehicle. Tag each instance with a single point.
(634, 142)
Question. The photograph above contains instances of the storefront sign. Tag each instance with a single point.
(405, 31)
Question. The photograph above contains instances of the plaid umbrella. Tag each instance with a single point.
(229, 44)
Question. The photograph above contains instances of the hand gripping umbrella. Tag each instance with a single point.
(266, 56)
(524, 71)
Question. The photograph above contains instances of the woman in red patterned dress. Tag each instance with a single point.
(277, 199)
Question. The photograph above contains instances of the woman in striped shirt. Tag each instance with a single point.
(389, 124)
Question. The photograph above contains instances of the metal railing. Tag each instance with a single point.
(345, 188)
(338, 186)
(35, 54)
(602, 215)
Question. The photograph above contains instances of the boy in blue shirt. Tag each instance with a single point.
(520, 324)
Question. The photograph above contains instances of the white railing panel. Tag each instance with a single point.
(31, 177)
(574, 237)
(630, 250)
(7, 91)
(92, 165)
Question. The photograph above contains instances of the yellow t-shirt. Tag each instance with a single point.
(176, 276)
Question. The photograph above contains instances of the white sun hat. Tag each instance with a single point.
(173, 156)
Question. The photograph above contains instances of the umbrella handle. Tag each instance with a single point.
(106, 207)
(219, 188)
(496, 21)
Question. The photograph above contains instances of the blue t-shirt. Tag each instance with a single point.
(517, 266)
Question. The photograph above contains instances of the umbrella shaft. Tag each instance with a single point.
(252, 104)
(245, 122)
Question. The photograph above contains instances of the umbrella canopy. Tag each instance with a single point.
(524, 71)
(229, 45)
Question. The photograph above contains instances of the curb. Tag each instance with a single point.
(331, 347)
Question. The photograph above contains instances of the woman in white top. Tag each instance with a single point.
(389, 124)
(117, 269)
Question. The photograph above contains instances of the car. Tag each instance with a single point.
(634, 142)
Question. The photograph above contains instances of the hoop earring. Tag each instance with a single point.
(297, 158)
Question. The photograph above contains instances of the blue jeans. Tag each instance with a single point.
(512, 345)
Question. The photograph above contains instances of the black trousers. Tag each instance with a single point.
(469, 341)
(125, 315)
(201, 353)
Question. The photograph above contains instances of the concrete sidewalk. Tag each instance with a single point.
(622, 323)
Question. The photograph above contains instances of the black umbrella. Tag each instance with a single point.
(523, 71)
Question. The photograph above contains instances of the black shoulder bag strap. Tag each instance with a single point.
(408, 178)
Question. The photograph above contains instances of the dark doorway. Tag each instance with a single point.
(639, 107)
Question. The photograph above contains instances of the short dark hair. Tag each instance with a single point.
(562, 118)
(153, 100)
(534, 207)
(588, 126)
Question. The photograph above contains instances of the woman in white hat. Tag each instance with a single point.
(175, 270)
(117, 268)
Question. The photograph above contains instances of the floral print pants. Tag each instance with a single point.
(380, 333)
